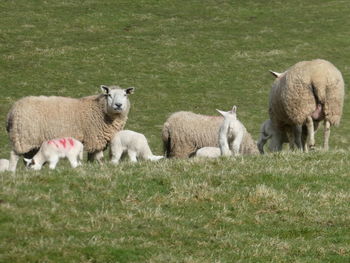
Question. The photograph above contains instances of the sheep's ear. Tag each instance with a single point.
(223, 113)
(105, 89)
(275, 74)
(130, 90)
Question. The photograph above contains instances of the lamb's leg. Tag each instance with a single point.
(327, 132)
(132, 155)
(236, 144)
(116, 155)
(73, 161)
(310, 133)
(53, 162)
(14, 157)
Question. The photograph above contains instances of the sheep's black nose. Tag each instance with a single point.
(118, 105)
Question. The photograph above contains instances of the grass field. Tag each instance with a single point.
(180, 55)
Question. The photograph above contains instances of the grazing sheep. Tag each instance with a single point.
(93, 120)
(4, 165)
(185, 132)
(134, 144)
(234, 138)
(51, 151)
(208, 152)
(268, 131)
(308, 92)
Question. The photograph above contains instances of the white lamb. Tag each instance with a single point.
(232, 133)
(4, 165)
(208, 152)
(134, 144)
(51, 151)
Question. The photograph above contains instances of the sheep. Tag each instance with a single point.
(52, 150)
(234, 138)
(93, 120)
(268, 131)
(308, 92)
(208, 152)
(185, 132)
(134, 144)
(4, 165)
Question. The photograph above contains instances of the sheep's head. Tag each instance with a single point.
(32, 164)
(117, 99)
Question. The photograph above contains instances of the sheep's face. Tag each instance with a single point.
(117, 99)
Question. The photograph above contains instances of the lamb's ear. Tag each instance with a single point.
(130, 90)
(223, 113)
(105, 89)
(28, 161)
(275, 74)
(234, 109)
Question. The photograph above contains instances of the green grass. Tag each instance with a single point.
(180, 55)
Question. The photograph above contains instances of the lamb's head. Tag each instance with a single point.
(229, 115)
(117, 99)
(32, 164)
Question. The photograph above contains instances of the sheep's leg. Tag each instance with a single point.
(327, 132)
(296, 139)
(224, 148)
(132, 155)
(310, 133)
(261, 142)
(276, 142)
(14, 157)
(98, 155)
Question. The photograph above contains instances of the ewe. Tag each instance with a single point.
(92, 120)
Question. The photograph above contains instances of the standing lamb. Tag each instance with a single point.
(93, 120)
(4, 165)
(268, 131)
(234, 138)
(185, 132)
(308, 92)
(134, 144)
(51, 151)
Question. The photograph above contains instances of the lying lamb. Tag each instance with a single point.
(134, 144)
(55, 149)
(4, 165)
(233, 136)
(208, 152)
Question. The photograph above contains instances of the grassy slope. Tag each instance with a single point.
(180, 55)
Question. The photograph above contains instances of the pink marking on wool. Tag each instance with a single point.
(71, 141)
(53, 142)
(63, 142)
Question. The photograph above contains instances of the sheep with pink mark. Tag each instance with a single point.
(307, 93)
(92, 120)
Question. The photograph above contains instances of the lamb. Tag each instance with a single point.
(185, 132)
(234, 138)
(51, 151)
(208, 152)
(134, 144)
(308, 92)
(4, 165)
(93, 120)
(268, 131)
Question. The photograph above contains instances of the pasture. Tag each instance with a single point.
(180, 55)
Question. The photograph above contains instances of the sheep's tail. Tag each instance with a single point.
(166, 138)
